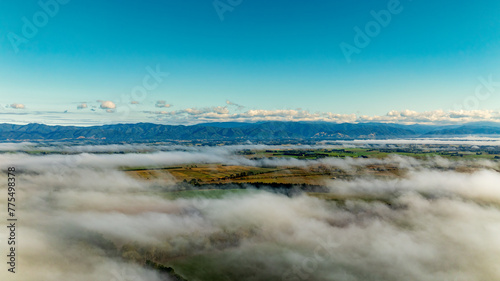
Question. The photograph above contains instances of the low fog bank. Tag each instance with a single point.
(470, 140)
(140, 147)
(86, 220)
(479, 186)
(220, 155)
(61, 147)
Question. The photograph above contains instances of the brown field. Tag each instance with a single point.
(217, 173)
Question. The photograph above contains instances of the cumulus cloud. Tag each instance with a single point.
(107, 104)
(162, 103)
(17, 106)
(224, 114)
(233, 112)
(220, 113)
(81, 106)
(207, 110)
(435, 116)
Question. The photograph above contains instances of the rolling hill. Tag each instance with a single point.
(236, 131)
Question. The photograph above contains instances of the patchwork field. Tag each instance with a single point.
(203, 174)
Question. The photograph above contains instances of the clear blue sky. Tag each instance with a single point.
(262, 55)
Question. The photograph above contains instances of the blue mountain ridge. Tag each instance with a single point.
(240, 131)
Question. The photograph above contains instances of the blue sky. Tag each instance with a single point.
(277, 60)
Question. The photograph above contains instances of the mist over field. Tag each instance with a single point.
(81, 217)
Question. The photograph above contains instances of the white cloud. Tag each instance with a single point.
(223, 114)
(207, 110)
(17, 106)
(82, 106)
(107, 104)
(435, 116)
(215, 112)
(232, 113)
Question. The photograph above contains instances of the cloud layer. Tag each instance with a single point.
(253, 115)
(17, 106)
(83, 219)
(107, 104)
(81, 106)
(233, 112)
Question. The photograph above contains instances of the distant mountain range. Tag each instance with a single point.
(239, 131)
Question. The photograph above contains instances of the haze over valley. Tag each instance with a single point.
(256, 212)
